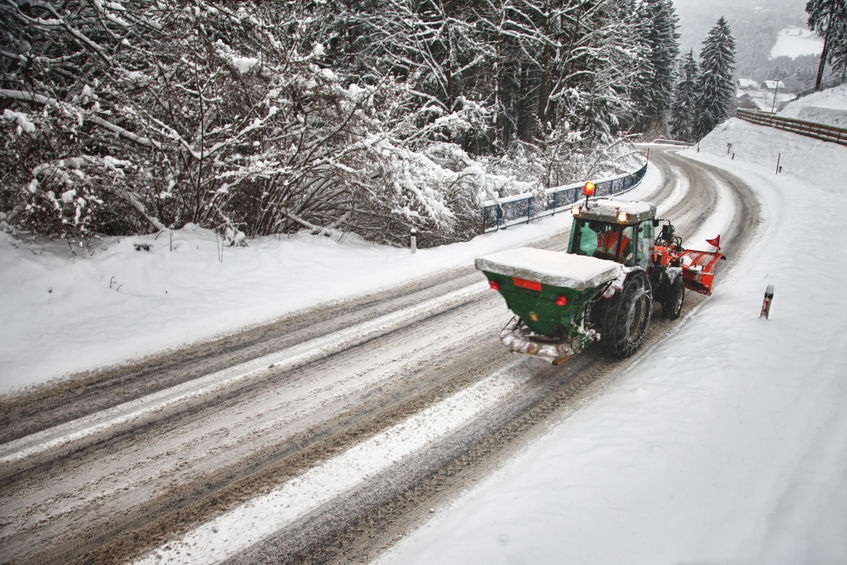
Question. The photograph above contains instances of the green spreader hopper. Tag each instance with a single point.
(549, 292)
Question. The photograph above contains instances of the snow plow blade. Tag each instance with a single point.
(698, 269)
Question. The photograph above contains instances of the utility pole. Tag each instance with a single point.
(775, 88)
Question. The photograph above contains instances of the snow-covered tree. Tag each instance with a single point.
(154, 114)
(716, 84)
(684, 107)
(269, 117)
(829, 19)
(838, 51)
(657, 33)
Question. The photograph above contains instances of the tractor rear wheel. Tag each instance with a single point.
(627, 317)
(672, 303)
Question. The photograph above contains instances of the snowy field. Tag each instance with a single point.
(794, 41)
(727, 444)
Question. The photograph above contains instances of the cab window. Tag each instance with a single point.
(646, 234)
(603, 240)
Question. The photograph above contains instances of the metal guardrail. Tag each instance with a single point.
(810, 129)
(663, 141)
(521, 208)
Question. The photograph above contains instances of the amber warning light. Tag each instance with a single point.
(588, 189)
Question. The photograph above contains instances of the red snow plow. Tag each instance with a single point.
(698, 267)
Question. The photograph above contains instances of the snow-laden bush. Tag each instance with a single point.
(272, 117)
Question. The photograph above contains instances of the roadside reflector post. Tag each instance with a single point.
(778, 159)
(766, 303)
(413, 240)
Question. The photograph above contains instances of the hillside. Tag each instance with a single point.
(757, 27)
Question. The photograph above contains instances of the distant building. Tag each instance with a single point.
(773, 84)
(746, 102)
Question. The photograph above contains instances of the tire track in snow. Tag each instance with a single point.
(263, 516)
(214, 383)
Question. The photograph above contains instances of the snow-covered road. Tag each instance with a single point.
(305, 411)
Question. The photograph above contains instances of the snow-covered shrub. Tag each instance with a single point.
(74, 197)
(271, 117)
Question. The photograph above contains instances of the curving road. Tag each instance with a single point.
(411, 384)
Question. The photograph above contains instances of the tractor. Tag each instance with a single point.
(603, 288)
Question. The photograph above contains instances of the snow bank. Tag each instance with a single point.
(825, 107)
(803, 158)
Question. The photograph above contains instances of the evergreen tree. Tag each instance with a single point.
(683, 111)
(715, 86)
(838, 51)
(829, 19)
(653, 93)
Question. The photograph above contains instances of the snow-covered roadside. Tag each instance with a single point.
(64, 314)
(727, 444)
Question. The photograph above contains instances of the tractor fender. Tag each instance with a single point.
(617, 284)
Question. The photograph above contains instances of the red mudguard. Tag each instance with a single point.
(698, 269)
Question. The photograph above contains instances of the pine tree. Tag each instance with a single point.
(829, 18)
(715, 86)
(660, 44)
(683, 110)
(838, 51)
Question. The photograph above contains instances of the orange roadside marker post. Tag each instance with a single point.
(766, 303)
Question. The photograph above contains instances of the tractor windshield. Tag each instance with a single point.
(603, 240)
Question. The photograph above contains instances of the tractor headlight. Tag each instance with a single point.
(576, 211)
(623, 217)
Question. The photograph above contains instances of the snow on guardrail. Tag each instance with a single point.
(521, 208)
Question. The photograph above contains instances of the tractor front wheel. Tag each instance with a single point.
(627, 317)
(672, 304)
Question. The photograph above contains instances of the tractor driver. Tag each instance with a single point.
(609, 240)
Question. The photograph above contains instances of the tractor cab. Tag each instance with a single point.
(614, 230)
